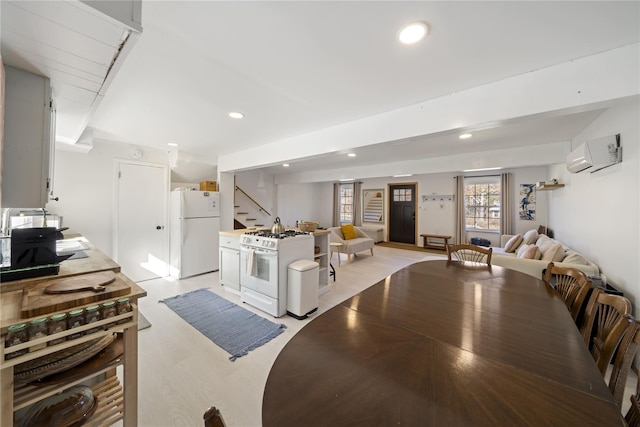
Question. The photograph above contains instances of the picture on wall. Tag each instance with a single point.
(373, 205)
(528, 202)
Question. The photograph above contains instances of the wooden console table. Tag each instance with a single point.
(427, 244)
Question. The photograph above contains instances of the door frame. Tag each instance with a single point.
(416, 206)
(165, 204)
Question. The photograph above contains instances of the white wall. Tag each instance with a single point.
(306, 202)
(84, 185)
(598, 213)
(314, 201)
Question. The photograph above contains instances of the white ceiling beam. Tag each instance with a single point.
(597, 78)
(536, 155)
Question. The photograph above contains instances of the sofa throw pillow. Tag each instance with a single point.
(521, 250)
(348, 231)
(530, 237)
(560, 254)
(513, 243)
(531, 252)
(551, 251)
(574, 257)
(543, 241)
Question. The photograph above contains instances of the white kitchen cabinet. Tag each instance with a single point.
(229, 273)
(28, 144)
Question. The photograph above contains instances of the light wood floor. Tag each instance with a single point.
(182, 373)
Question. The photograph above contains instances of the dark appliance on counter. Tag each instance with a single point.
(33, 253)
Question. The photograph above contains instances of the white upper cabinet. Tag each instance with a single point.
(78, 45)
(27, 145)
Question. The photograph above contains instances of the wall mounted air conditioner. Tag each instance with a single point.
(595, 154)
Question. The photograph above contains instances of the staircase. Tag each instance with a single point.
(244, 219)
(248, 213)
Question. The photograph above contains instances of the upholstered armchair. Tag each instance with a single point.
(361, 241)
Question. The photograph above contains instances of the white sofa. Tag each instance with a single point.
(362, 242)
(545, 251)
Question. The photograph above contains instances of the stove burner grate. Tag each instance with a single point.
(270, 235)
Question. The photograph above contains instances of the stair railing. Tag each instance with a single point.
(260, 208)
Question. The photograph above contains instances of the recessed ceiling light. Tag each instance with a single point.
(172, 144)
(285, 165)
(236, 115)
(465, 136)
(351, 154)
(413, 33)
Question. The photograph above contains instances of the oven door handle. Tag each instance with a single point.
(260, 251)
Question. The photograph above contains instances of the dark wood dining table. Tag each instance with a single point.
(441, 343)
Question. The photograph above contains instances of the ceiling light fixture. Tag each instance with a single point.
(345, 179)
(236, 115)
(285, 165)
(172, 144)
(403, 175)
(413, 33)
(465, 136)
(351, 154)
(482, 169)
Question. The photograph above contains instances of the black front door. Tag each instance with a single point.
(402, 213)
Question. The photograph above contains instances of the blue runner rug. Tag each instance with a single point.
(231, 327)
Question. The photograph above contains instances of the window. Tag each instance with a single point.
(482, 203)
(402, 195)
(346, 203)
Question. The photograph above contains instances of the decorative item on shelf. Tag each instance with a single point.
(316, 249)
(551, 185)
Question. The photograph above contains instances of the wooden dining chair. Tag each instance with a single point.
(213, 418)
(604, 324)
(621, 367)
(465, 252)
(571, 284)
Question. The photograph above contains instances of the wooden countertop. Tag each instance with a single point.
(96, 261)
(11, 293)
(245, 230)
(235, 232)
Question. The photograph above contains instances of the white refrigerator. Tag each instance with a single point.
(195, 223)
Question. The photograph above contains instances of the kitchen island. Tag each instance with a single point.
(116, 401)
(230, 258)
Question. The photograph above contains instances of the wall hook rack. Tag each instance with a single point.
(438, 198)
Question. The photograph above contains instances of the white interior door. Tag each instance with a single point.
(141, 218)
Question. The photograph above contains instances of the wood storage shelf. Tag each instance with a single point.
(117, 402)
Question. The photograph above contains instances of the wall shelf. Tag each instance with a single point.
(547, 187)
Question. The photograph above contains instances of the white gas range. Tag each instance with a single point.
(264, 260)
